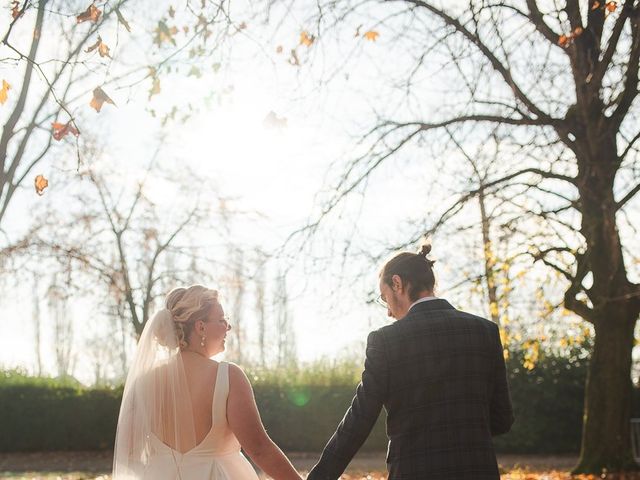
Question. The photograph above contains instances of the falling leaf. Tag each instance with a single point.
(155, 88)
(4, 91)
(164, 33)
(15, 9)
(294, 60)
(279, 49)
(121, 19)
(371, 35)
(611, 6)
(41, 183)
(103, 48)
(563, 40)
(99, 97)
(596, 5)
(242, 26)
(577, 31)
(273, 121)
(92, 14)
(60, 130)
(306, 39)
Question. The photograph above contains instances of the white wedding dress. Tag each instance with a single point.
(216, 457)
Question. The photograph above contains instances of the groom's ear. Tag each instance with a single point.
(396, 282)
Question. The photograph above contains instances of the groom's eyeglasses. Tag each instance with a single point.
(380, 301)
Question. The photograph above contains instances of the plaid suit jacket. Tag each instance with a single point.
(440, 374)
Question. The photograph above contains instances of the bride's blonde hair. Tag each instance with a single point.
(189, 305)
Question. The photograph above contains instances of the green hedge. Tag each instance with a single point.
(300, 411)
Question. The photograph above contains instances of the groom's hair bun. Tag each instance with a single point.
(424, 251)
(413, 268)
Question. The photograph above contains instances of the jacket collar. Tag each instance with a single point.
(430, 305)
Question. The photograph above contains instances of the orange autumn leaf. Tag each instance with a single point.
(611, 6)
(99, 97)
(15, 9)
(41, 183)
(61, 130)
(90, 14)
(596, 5)
(371, 35)
(103, 48)
(577, 31)
(4, 92)
(563, 40)
(306, 38)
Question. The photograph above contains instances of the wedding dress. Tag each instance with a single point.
(156, 434)
(217, 456)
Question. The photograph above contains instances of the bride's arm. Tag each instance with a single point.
(244, 421)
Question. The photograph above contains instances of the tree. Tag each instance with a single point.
(559, 85)
(116, 239)
(72, 55)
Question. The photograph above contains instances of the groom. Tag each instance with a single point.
(439, 373)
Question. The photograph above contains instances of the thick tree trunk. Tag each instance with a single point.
(613, 310)
(606, 439)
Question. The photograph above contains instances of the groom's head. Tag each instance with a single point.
(406, 278)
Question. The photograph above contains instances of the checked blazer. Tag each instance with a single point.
(440, 374)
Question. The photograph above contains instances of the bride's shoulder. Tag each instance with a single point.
(237, 376)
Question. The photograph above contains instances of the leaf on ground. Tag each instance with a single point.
(371, 35)
(61, 130)
(4, 92)
(121, 19)
(90, 14)
(99, 98)
(306, 38)
(103, 48)
(41, 183)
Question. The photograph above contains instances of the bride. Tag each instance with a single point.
(183, 415)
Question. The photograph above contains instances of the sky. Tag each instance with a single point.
(281, 172)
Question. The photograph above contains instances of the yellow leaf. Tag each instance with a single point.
(155, 88)
(41, 183)
(99, 97)
(91, 14)
(306, 39)
(4, 92)
(371, 35)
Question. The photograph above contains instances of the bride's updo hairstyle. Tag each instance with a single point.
(413, 268)
(187, 306)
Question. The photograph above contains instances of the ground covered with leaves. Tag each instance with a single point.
(368, 466)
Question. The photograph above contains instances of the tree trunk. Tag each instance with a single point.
(606, 439)
(614, 309)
